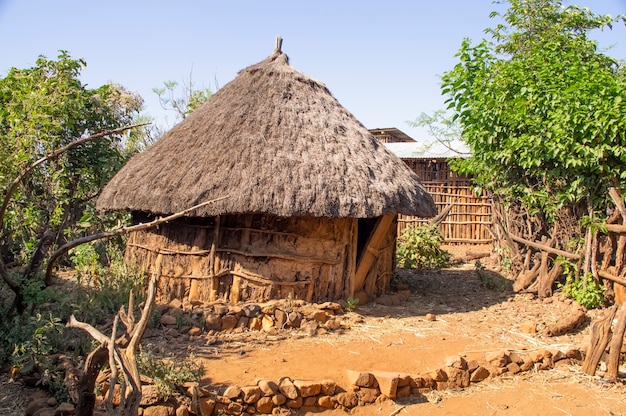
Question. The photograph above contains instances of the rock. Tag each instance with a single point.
(387, 382)
(251, 394)
(309, 327)
(294, 319)
(498, 358)
(431, 317)
(175, 304)
(309, 401)
(472, 365)
(480, 374)
(255, 324)
(368, 395)
(268, 387)
(574, 353)
(279, 399)
(516, 357)
(52, 402)
(327, 402)
(195, 332)
(267, 323)
(232, 392)
(457, 378)
(294, 403)
(149, 395)
(456, 361)
(384, 300)
(404, 380)
(251, 310)
(220, 309)
(308, 388)
(347, 399)
(404, 392)
(264, 405)
(167, 319)
(317, 316)
(333, 323)
(286, 387)
(357, 378)
(213, 321)
(438, 375)
(229, 322)
(243, 322)
(182, 411)
(328, 387)
(159, 410)
(280, 317)
(35, 405)
(528, 327)
(65, 409)
(513, 368)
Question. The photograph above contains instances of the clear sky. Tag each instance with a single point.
(381, 59)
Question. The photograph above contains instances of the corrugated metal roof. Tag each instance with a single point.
(430, 150)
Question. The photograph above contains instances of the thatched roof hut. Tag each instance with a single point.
(306, 184)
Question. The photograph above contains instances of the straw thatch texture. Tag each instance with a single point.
(277, 142)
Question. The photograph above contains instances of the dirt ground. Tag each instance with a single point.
(470, 320)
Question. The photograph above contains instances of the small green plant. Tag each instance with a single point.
(169, 376)
(585, 290)
(351, 304)
(420, 247)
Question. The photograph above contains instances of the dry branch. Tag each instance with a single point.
(124, 230)
(600, 337)
(616, 345)
(544, 247)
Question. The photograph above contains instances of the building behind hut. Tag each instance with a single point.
(305, 198)
(469, 218)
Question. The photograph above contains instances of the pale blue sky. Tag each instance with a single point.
(381, 59)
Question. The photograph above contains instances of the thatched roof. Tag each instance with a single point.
(274, 141)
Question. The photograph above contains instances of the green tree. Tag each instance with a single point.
(542, 111)
(182, 100)
(42, 109)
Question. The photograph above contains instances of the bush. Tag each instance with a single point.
(585, 290)
(420, 247)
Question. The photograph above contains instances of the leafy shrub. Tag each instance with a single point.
(585, 290)
(169, 376)
(420, 247)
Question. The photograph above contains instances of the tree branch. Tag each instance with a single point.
(124, 230)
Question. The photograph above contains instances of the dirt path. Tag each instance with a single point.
(470, 320)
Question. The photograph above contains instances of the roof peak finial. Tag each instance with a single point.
(279, 44)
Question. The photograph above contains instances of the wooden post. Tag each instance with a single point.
(215, 280)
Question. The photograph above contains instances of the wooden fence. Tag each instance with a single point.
(469, 218)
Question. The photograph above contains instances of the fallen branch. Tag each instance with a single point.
(600, 337)
(612, 366)
(608, 276)
(544, 247)
(120, 231)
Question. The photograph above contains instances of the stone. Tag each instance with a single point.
(404, 392)
(527, 365)
(229, 322)
(384, 300)
(456, 361)
(327, 402)
(497, 371)
(333, 323)
(457, 378)
(35, 405)
(167, 319)
(220, 309)
(175, 304)
(308, 388)
(516, 357)
(65, 409)
(557, 355)
(182, 411)
(294, 319)
(159, 410)
(47, 411)
(404, 380)
(357, 378)
(317, 316)
(281, 412)
(513, 368)
(347, 399)
(149, 395)
(574, 353)
(268, 387)
(528, 327)
(309, 327)
(243, 322)
(213, 321)
(279, 399)
(295, 403)
(328, 387)
(431, 317)
(438, 375)
(52, 402)
(309, 401)
(255, 324)
(251, 310)
(498, 358)
(472, 365)
(479, 374)
(286, 387)
(267, 323)
(368, 395)
(280, 318)
(234, 408)
(251, 394)
(195, 332)
(264, 405)
(232, 392)
(387, 382)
